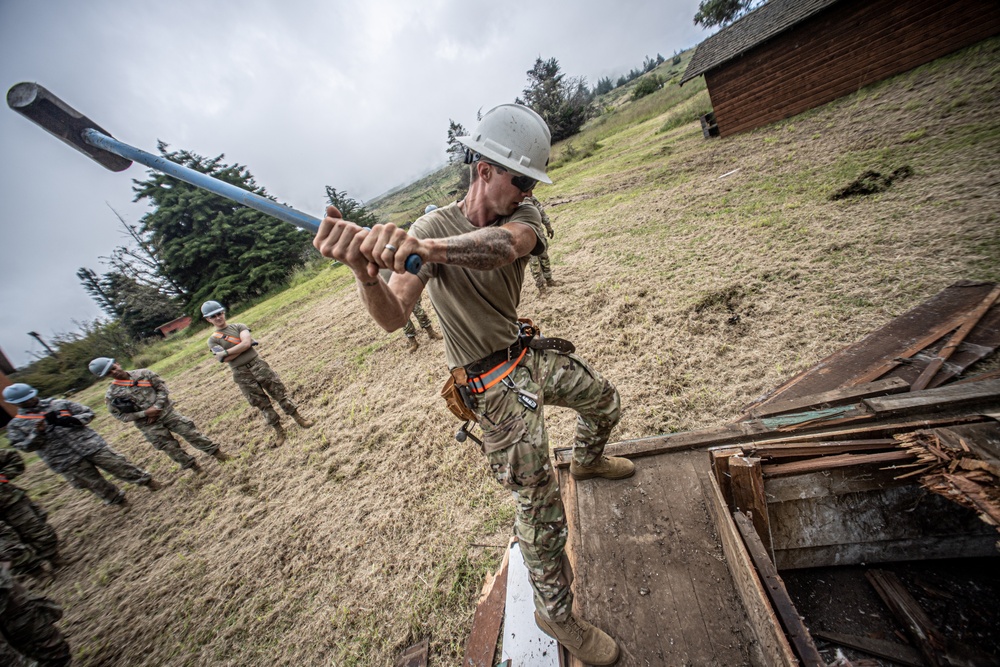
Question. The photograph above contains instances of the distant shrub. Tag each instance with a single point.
(646, 86)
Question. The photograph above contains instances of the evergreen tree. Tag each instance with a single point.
(723, 12)
(209, 246)
(351, 209)
(456, 151)
(565, 104)
(604, 85)
(139, 308)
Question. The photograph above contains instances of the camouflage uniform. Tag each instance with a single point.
(541, 269)
(27, 623)
(75, 452)
(25, 537)
(128, 400)
(253, 376)
(477, 310)
(422, 319)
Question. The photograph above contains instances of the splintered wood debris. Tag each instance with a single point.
(953, 470)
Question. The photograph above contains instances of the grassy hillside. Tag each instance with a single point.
(695, 275)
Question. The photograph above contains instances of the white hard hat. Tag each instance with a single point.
(516, 138)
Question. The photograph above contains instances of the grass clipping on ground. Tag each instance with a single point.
(690, 291)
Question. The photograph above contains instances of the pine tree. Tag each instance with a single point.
(211, 247)
(564, 104)
(456, 151)
(351, 209)
(723, 12)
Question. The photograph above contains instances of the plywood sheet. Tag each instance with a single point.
(650, 568)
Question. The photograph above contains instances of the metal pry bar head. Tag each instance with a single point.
(38, 105)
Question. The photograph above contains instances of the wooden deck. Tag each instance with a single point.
(650, 568)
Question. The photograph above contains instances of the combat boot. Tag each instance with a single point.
(550, 282)
(220, 455)
(57, 561)
(302, 421)
(153, 485)
(591, 645)
(608, 467)
(195, 468)
(279, 435)
(412, 343)
(433, 335)
(117, 500)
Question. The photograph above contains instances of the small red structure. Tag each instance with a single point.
(173, 326)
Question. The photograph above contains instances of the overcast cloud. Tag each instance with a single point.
(353, 94)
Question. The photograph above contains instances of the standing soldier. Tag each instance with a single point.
(474, 254)
(27, 622)
(541, 269)
(232, 344)
(57, 430)
(26, 539)
(141, 397)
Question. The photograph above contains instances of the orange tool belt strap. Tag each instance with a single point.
(132, 383)
(231, 339)
(480, 383)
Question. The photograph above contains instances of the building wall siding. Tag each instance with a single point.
(853, 44)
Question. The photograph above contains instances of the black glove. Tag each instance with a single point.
(69, 422)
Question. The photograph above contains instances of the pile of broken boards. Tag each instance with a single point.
(882, 453)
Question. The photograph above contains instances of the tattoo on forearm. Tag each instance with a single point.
(482, 250)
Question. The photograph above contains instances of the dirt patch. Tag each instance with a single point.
(872, 182)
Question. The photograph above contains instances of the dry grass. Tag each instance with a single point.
(692, 293)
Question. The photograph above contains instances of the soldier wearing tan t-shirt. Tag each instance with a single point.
(474, 255)
(232, 344)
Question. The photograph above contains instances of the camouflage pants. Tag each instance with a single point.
(25, 537)
(422, 319)
(541, 269)
(516, 445)
(27, 622)
(256, 378)
(86, 473)
(160, 435)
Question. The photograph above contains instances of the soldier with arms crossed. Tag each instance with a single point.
(474, 253)
(141, 397)
(232, 344)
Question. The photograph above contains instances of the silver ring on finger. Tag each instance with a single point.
(390, 247)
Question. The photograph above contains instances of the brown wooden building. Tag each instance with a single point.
(791, 55)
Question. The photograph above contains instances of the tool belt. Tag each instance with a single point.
(476, 378)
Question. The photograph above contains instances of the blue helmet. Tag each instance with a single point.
(430, 207)
(100, 366)
(211, 308)
(19, 392)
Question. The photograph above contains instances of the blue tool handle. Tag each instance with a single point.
(214, 185)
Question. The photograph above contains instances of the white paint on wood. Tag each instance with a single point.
(524, 643)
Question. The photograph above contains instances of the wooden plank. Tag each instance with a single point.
(482, 643)
(986, 393)
(836, 461)
(956, 339)
(748, 494)
(720, 468)
(794, 450)
(861, 515)
(745, 434)
(775, 587)
(652, 571)
(907, 334)
(766, 626)
(523, 642)
(901, 653)
(928, 639)
(414, 656)
(833, 398)
(983, 439)
(798, 419)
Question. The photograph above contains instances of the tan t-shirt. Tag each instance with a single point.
(230, 337)
(477, 309)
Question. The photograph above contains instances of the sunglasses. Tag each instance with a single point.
(522, 183)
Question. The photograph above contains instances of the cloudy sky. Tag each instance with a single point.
(356, 94)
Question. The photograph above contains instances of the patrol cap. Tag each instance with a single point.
(210, 308)
(19, 393)
(100, 366)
